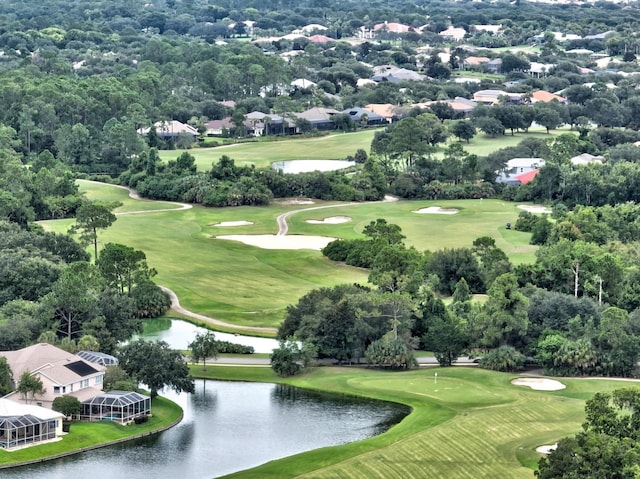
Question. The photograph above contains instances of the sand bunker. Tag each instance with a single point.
(534, 209)
(281, 242)
(547, 448)
(436, 210)
(333, 220)
(296, 201)
(539, 384)
(234, 223)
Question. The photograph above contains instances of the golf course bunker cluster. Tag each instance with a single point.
(332, 220)
(539, 384)
(436, 210)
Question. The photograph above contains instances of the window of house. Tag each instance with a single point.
(56, 389)
(85, 383)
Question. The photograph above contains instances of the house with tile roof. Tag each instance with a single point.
(542, 96)
(61, 373)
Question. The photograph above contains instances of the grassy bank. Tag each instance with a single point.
(472, 423)
(87, 435)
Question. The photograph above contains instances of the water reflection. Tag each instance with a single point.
(227, 427)
(306, 166)
(180, 333)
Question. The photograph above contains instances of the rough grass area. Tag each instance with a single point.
(471, 424)
(90, 434)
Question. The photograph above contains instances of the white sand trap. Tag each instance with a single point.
(539, 384)
(296, 201)
(546, 449)
(333, 220)
(234, 223)
(534, 209)
(281, 242)
(436, 210)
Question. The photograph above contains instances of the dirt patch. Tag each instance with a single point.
(535, 209)
(281, 242)
(539, 384)
(332, 220)
(436, 210)
(233, 223)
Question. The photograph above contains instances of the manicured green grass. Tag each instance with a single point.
(432, 232)
(261, 154)
(110, 193)
(250, 286)
(472, 423)
(89, 434)
(483, 145)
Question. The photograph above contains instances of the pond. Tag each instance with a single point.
(305, 166)
(228, 427)
(180, 333)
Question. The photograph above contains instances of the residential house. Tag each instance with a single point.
(170, 129)
(542, 96)
(516, 167)
(494, 65)
(320, 39)
(394, 74)
(537, 69)
(493, 97)
(453, 34)
(26, 424)
(320, 118)
(218, 127)
(359, 115)
(391, 27)
(388, 111)
(259, 123)
(303, 83)
(475, 63)
(61, 373)
(586, 158)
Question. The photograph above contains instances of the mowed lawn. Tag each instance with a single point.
(251, 286)
(335, 146)
(470, 424)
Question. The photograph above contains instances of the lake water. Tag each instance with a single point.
(228, 427)
(305, 166)
(180, 333)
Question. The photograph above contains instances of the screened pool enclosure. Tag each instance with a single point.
(22, 430)
(120, 406)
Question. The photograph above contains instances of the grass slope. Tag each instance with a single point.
(262, 153)
(472, 423)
